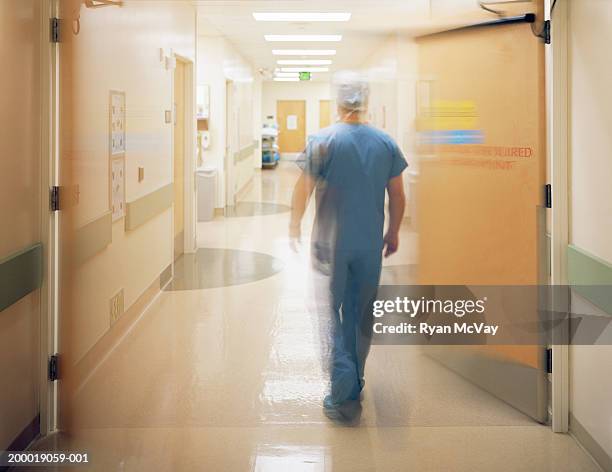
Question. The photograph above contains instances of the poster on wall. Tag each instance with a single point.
(117, 147)
(292, 122)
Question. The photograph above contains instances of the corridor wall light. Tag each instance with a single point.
(305, 69)
(301, 16)
(304, 62)
(303, 37)
(304, 52)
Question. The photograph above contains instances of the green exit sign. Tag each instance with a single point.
(304, 75)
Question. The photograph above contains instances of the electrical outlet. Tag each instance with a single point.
(116, 307)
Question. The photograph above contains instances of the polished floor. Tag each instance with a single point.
(227, 376)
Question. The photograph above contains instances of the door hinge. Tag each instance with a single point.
(549, 361)
(53, 370)
(546, 32)
(548, 196)
(55, 30)
(54, 198)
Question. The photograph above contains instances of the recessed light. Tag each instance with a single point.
(304, 52)
(286, 79)
(305, 69)
(301, 16)
(300, 38)
(304, 62)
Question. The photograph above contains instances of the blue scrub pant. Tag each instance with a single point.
(354, 282)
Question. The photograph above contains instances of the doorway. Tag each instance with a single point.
(324, 113)
(179, 158)
(292, 125)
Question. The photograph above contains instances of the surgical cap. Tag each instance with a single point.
(353, 91)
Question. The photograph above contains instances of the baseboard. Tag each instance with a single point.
(113, 336)
(589, 444)
(24, 439)
(290, 156)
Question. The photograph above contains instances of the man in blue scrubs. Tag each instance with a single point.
(351, 165)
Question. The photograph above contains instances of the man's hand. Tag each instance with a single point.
(301, 194)
(295, 236)
(391, 243)
(397, 204)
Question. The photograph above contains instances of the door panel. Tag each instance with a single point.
(324, 113)
(292, 125)
(20, 250)
(482, 118)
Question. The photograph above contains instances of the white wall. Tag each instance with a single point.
(119, 49)
(393, 74)
(219, 62)
(311, 92)
(591, 197)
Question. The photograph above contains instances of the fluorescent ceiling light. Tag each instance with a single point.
(287, 74)
(305, 69)
(304, 52)
(286, 79)
(304, 62)
(301, 16)
(303, 37)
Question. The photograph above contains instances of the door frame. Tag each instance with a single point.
(190, 139)
(231, 126)
(557, 77)
(49, 221)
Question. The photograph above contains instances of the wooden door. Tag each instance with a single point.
(179, 158)
(324, 113)
(21, 239)
(480, 201)
(292, 125)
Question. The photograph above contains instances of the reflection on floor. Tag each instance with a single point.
(230, 379)
(214, 268)
(242, 209)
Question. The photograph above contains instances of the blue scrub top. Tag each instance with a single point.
(352, 165)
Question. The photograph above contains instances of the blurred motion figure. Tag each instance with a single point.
(351, 165)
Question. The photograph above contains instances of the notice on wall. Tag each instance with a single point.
(117, 149)
(117, 123)
(292, 122)
(118, 188)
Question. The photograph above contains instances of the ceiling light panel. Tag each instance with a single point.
(302, 16)
(302, 38)
(304, 52)
(304, 62)
(305, 69)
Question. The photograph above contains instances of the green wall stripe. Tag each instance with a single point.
(94, 237)
(143, 209)
(585, 272)
(245, 152)
(20, 274)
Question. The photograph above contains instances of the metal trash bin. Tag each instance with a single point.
(206, 186)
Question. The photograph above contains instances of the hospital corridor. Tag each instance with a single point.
(286, 236)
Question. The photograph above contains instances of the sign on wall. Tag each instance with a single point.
(117, 147)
